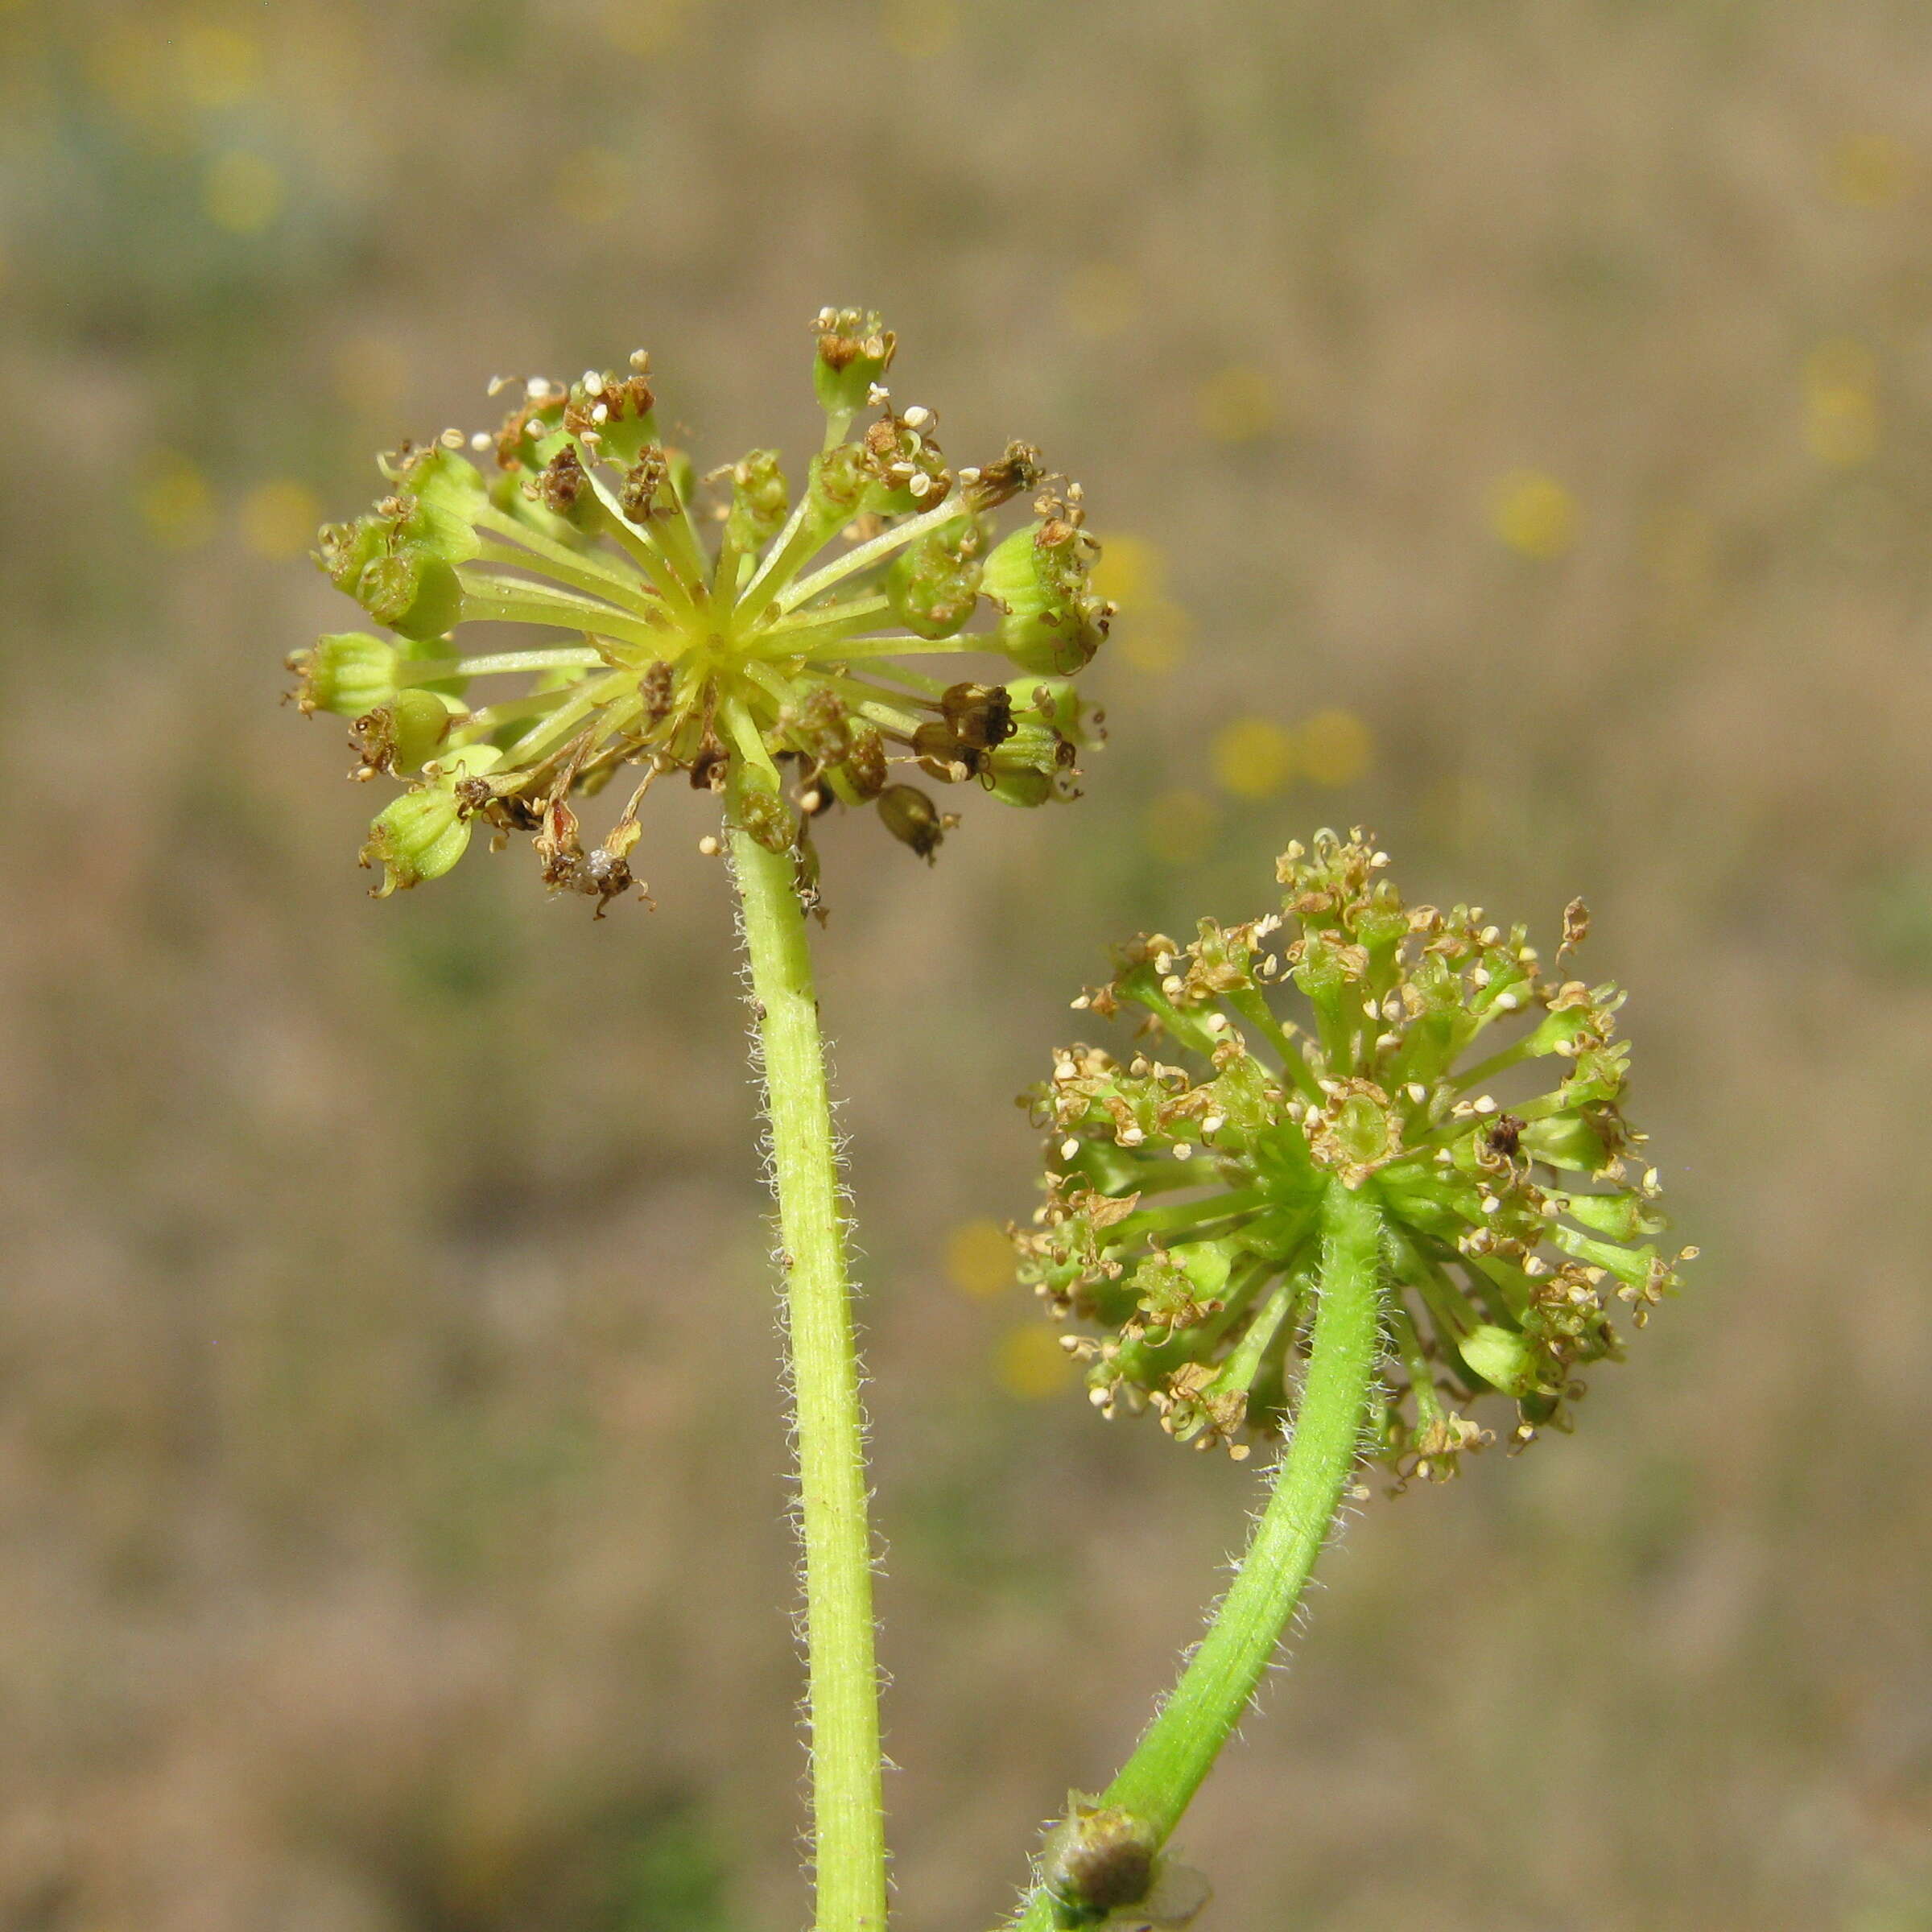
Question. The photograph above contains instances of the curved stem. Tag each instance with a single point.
(842, 1698)
(1179, 1749)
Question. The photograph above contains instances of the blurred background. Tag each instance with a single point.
(1512, 428)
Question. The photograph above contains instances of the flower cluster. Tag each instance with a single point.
(1186, 1184)
(708, 634)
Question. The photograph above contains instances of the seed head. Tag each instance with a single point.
(1514, 1226)
(732, 631)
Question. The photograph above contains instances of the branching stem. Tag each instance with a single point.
(1179, 1749)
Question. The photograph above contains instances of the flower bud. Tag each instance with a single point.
(1500, 1356)
(404, 734)
(821, 728)
(1053, 620)
(1023, 786)
(763, 815)
(908, 473)
(344, 550)
(442, 493)
(837, 486)
(1567, 1140)
(912, 819)
(1619, 1216)
(934, 583)
(855, 351)
(1033, 763)
(348, 672)
(616, 413)
(860, 776)
(412, 592)
(422, 835)
(760, 499)
(1054, 700)
(1099, 1858)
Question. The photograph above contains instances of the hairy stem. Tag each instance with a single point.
(1179, 1749)
(842, 1699)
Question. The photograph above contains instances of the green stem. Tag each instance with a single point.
(1179, 1749)
(865, 554)
(842, 1698)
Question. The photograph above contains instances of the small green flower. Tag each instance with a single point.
(856, 349)
(421, 835)
(706, 632)
(348, 673)
(1182, 1209)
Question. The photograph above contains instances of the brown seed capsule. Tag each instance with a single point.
(1576, 927)
(521, 426)
(563, 482)
(1017, 471)
(912, 819)
(632, 397)
(981, 715)
(637, 497)
(942, 755)
(709, 763)
(657, 685)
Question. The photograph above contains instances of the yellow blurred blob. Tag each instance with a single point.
(218, 65)
(1841, 403)
(1333, 748)
(279, 519)
(645, 27)
(1154, 633)
(979, 1259)
(1030, 1363)
(1532, 513)
(1869, 171)
(241, 192)
(919, 29)
(1130, 570)
(590, 186)
(1238, 404)
(1154, 636)
(1252, 758)
(1178, 826)
(175, 502)
(370, 372)
(1100, 299)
